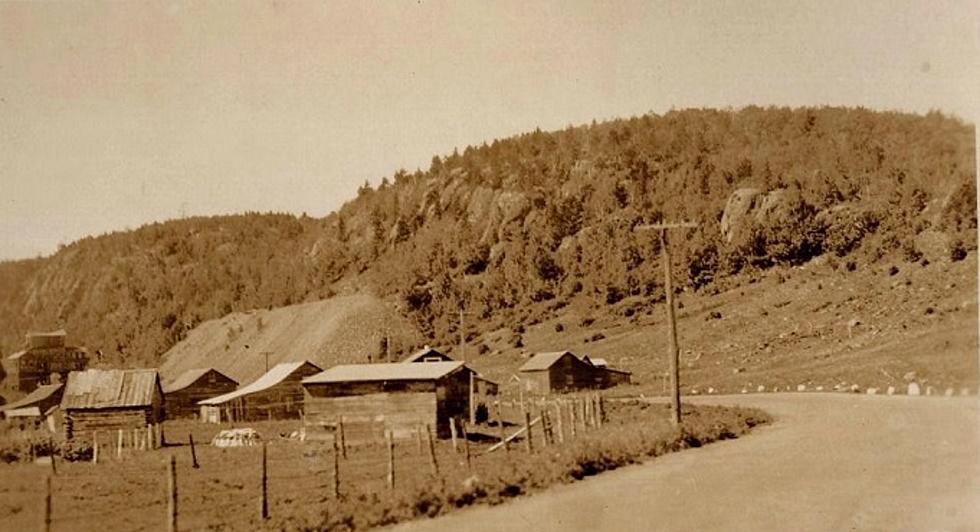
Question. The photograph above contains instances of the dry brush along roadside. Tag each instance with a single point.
(313, 487)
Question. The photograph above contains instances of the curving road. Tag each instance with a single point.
(829, 462)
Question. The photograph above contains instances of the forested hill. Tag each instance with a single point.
(518, 228)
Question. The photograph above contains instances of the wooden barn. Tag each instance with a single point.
(182, 394)
(373, 397)
(110, 400)
(44, 355)
(564, 371)
(276, 395)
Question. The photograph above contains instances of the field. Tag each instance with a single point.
(130, 492)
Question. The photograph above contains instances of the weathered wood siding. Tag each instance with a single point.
(368, 409)
(80, 422)
(538, 382)
(183, 403)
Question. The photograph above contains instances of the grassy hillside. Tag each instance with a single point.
(524, 229)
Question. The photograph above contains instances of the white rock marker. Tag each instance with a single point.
(949, 392)
(819, 388)
(891, 390)
(930, 390)
(964, 391)
(801, 387)
(913, 389)
(871, 391)
(761, 388)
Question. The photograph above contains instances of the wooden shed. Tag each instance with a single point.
(564, 371)
(41, 400)
(45, 354)
(278, 394)
(183, 393)
(373, 397)
(110, 400)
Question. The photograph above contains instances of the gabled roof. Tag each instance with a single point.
(189, 377)
(425, 352)
(110, 388)
(542, 361)
(599, 362)
(39, 394)
(271, 378)
(385, 372)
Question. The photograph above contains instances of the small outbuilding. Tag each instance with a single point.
(483, 387)
(278, 394)
(38, 402)
(564, 371)
(111, 400)
(183, 393)
(370, 398)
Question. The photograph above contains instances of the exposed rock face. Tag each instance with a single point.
(737, 208)
(934, 245)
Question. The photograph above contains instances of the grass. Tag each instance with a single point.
(223, 494)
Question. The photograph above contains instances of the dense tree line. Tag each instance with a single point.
(517, 228)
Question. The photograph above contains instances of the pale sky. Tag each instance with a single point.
(117, 114)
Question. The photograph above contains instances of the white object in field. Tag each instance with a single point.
(236, 438)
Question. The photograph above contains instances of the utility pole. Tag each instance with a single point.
(266, 353)
(462, 334)
(672, 350)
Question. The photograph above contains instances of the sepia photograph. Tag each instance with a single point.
(439, 266)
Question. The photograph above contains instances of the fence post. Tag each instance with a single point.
(95, 446)
(432, 450)
(561, 432)
(452, 432)
(601, 410)
(149, 436)
(572, 423)
(528, 446)
(391, 459)
(172, 500)
(336, 470)
(194, 463)
(466, 446)
(418, 436)
(500, 427)
(265, 484)
(46, 523)
(343, 438)
(54, 468)
(119, 444)
(545, 428)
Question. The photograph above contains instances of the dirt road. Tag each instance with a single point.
(828, 462)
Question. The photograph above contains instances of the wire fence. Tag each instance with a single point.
(200, 486)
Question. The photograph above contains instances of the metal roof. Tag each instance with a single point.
(110, 388)
(27, 411)
(599, 362)
(39, 394)
(189, 377)
(424, 352)
(271, 378)
(542, 361)
(385, 372)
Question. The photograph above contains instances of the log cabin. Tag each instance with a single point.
(111, 400)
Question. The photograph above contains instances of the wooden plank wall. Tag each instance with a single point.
(366, 416)
(79, 424)
(183, 403)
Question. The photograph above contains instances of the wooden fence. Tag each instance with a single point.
(184, 485)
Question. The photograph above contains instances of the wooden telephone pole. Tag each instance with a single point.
(673, 351)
